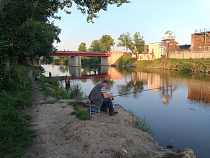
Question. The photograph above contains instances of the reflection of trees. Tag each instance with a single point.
(124, 70)
(89, 71)
(130, 87)
(99, 80)
(64, 68)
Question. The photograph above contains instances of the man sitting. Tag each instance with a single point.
(99, 97)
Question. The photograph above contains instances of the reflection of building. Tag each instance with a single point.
(155, 82)
(152, 80)
(199, 92)
(165, 99)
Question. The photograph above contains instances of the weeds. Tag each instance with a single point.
(142, 125)
(75, 92)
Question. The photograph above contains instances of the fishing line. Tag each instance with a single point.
(141, 91)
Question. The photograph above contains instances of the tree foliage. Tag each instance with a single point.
(106, 42)
(82, 47)
(135, 43)
(91, 7)
(95, 46)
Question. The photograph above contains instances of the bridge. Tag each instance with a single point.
(84, 54)
(75, 56)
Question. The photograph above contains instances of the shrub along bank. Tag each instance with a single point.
(15, 133)
(180, 65)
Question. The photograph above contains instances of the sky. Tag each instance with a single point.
(152, 18)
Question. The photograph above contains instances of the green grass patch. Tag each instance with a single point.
(80, 114)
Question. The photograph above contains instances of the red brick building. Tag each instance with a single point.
(200, 40)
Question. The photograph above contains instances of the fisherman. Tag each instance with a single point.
(99, 97)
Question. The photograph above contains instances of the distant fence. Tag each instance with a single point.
(202, 30)
(190, 55)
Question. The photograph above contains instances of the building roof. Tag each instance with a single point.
(168, 32)
(184, 47)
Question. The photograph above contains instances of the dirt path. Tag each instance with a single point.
(61, 135)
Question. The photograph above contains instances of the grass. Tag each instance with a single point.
(80, 114)
(15, 134)
(143, 125)
(124, 60)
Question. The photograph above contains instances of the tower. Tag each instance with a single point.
(169, 44)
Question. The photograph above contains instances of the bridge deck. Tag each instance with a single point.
(87, 54)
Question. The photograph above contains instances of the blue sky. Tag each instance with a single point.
(152, 18)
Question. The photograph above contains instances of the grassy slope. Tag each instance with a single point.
(181, 65)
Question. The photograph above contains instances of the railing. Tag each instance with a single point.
(202, 30)
(163, 38)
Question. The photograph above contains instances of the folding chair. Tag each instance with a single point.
(94, 108)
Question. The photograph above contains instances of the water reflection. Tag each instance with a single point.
(75, 71)
(198, 90)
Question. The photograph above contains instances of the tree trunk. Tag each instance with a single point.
(7, 67)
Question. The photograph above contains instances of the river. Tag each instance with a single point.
(175, 107)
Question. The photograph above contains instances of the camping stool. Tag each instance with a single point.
(90, 104)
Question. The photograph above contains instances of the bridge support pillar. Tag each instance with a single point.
(112, 59)
(105, 61)
(75, 61)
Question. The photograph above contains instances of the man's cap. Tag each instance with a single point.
(105, 81)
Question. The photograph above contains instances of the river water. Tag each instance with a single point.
(175, 107)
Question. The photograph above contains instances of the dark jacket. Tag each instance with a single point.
(96, 96)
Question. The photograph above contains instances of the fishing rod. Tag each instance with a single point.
(139, 91)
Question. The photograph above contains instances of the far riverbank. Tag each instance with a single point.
(180, 65)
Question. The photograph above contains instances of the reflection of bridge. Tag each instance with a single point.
(75, 57)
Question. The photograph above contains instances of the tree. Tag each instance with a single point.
(135, 43)
(95, 46)
(25, 29)
(82, 47)
(106, 42)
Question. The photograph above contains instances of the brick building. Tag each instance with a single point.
(200, 40)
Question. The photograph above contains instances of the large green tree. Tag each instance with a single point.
(135, 43)
(82, 47)
(106, 42)
(95, 46)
